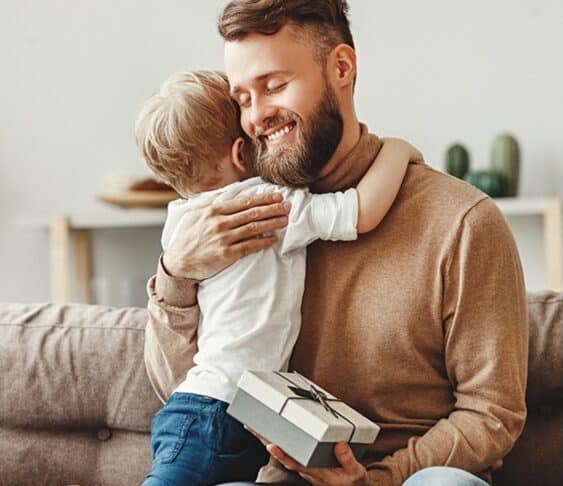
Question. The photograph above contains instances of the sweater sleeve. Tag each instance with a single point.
(171, 331)
(331, 216)
(485, 335)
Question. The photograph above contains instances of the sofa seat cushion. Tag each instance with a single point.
(72, 457)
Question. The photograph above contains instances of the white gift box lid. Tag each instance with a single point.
(273, 390)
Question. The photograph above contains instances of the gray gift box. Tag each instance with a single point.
(300, 417)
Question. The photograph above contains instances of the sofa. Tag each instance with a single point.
(76, 405)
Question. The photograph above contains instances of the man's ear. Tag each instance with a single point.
(343, 65)
(237, 155)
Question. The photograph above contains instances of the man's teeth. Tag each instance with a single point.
(277, 134)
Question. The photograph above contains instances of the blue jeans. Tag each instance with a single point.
(431, 476)
(194, 441)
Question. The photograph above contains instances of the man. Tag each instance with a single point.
(420, 325)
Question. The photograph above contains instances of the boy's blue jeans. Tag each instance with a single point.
(194, 441)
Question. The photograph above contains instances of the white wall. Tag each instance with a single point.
(73, 75)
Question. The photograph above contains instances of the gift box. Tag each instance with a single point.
(303, 419)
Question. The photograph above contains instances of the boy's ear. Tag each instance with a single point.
(237, 154)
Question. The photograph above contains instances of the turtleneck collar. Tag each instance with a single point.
(353, 167)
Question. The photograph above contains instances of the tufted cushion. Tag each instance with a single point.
(60, 457)
(75, 404)
(74, 366)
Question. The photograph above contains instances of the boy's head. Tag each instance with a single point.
(189, 132)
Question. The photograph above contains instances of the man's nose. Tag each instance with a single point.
(261, 112)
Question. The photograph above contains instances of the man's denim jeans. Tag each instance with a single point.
(431, 476)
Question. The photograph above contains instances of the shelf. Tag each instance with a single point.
(102, 219)
(61, 227)
(549, 210)
(108, 217)
(519, 206)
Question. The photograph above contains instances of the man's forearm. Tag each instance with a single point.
(446, 444)
(171, 332)
(486, 354)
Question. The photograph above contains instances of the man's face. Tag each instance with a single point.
(287, 105)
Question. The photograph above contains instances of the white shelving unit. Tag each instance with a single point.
(549, 209)
(65, 230)
(74, 228)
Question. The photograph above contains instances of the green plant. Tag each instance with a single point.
(457, 160)
(488, 181)
(505, 160)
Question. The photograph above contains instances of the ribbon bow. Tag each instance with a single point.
(313, 393)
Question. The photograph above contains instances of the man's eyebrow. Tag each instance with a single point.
(237, 89)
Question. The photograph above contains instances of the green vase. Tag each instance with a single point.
(457, 160)
(505, 160)
(488, 181)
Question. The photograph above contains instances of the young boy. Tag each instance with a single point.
(190, 136)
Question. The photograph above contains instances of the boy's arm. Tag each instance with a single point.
(379, 186)
(340, 216)
(330, 216)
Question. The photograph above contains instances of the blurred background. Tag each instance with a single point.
(73, 75)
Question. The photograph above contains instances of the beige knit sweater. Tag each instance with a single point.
(420, 325)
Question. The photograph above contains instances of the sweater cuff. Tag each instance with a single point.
(174, 291)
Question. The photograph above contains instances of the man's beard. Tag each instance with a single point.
(298, 164)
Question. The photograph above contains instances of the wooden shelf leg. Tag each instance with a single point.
(82, 264)
(59, 247)
(552, 243)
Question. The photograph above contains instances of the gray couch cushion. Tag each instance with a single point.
(74, 366)
(60, 457)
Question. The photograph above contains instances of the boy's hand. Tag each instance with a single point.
(211, 238)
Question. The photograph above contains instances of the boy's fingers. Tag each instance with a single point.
(240, 204)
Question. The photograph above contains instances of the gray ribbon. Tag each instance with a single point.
(313, 393)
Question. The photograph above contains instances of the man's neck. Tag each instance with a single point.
(348, 141)
(353, 157)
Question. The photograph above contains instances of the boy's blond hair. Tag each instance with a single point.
(185, 128)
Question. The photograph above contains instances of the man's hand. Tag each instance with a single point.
(211, 238)
(350, 472)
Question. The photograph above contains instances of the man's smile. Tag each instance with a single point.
(276, 135)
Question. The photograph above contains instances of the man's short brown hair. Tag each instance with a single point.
(185, 128)
(325, 21)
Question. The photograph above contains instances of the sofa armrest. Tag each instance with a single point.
(545, 367)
